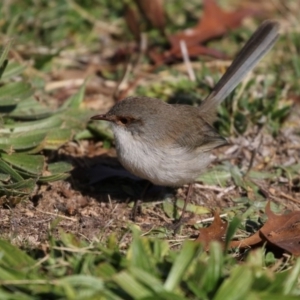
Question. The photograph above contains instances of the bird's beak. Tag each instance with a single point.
(102, 117)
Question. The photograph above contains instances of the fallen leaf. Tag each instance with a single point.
(282, 231)
(215, 232)
(154, 12)
(214, 23)
(286, 233)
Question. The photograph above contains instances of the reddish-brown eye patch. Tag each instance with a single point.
(123, 120)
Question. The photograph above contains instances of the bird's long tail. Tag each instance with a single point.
(255, 48)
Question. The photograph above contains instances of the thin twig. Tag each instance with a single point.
(54, 85)
(211, 219)
(213, 187)
(187, 62)
(56, 215)
(44, 221)
(282, 194)
(227, 190)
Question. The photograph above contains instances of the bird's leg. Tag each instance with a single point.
(137, 207)
(179, 221)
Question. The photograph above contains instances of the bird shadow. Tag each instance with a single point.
(103, 176)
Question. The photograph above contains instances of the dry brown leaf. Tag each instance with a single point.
(215, 232)
(214, 23)
(154, 12)
(282, 231)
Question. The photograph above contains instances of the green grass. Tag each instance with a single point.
(131, 264)
(74, 269)
(28, 127)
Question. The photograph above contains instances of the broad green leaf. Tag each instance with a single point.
(102, 129)
(291, 171)
(262, 175)
(31, 109)
(92, 283)
(214, 267)
(13, 69)
(29, 163)
(231, 230)
(54, 177)
(281, 112)
(196, 289)
(20, 188)
(22, 141)
(270, 296)
(237, 177)
(48, 123)
(278, 282)
(4, 177)
(13, 93)
(76, 118)
(105, 271)
(160, 248)
(15, 263)
(3, 57)
(25, 174)
(83, 135)
(183, 260)
(3, 67)
(131, 286)
(292, 280)
(17, 295)
(139, 247)
(58, 137)
(7, 169)
(5, 148)
(169, 209)
(14, 257)
(166, 295)
(237, 286)
(75, 100)
(5, 51)
(58, 171)
(215, 177)
(59, 167)
(147, 278)
(197, 209)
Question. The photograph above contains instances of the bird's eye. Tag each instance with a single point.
(123, 121)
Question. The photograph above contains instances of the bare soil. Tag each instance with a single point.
(97, 198)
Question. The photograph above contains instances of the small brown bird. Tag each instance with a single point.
(170, 144)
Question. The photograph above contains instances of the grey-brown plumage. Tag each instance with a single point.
(171, 144)
(181, 125)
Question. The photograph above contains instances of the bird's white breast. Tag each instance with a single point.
(162, 165)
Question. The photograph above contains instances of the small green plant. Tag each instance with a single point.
(27, 128)
(74, 269)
